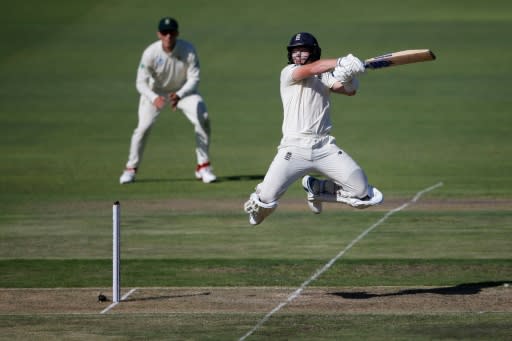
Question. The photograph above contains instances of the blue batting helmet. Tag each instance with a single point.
(306, 40)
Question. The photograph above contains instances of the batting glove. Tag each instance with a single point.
(348, 67)
(341, 74)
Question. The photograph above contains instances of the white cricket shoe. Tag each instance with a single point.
(204, 173)
(127, 176)
(374, 197)
(313, 187)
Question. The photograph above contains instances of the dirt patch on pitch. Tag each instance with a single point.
(479, 297)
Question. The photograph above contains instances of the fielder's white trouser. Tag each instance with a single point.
(293, 161)
(194, 109)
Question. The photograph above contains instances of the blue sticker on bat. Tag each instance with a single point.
(379, 64)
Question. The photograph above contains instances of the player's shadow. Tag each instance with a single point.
(241, 177)
(461, 289)
(248, 177)
(166, 297)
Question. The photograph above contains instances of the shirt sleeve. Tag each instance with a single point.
(144, 75)
(193, 70)
(286, 75)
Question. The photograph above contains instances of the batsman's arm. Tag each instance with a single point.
(320, 66)
(336, 86)
(343, 89)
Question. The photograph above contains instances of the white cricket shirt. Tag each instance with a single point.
(161, 73)
(305, 104)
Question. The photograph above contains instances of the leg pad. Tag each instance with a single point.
(258, 210)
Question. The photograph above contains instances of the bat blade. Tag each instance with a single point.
(399, 58)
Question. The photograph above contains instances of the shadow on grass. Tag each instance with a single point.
(241, 177)
(165, 297)
(461, 289)
(248, 177)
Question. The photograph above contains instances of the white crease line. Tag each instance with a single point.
(116, 303)
(297, 292)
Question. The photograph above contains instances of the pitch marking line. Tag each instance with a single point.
(297, 292)
(116, 303)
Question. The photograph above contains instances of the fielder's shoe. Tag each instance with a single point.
(128, 176)
(313, 187)
(204, 173)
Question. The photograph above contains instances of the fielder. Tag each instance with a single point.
(306, 146)
(168, 74)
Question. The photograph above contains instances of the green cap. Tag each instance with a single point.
(167, 24)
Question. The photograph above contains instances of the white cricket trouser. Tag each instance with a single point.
(292, 162)
(194, 109)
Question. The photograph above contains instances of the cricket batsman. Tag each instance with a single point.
(306, 145)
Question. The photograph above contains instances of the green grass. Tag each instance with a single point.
(73, 273)
(285, 327)
(87, 234)
(68, 120)
(68, 106)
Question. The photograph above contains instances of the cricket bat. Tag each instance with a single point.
(399, 58)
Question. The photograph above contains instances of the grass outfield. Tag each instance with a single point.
(296, 327)
(435, 270)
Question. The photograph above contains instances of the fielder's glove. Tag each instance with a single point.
(348, 67)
